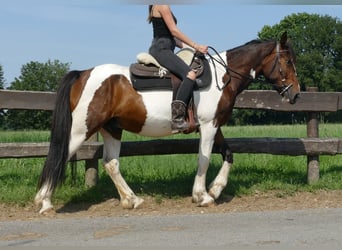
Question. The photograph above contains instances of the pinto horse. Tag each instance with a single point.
(103, 99)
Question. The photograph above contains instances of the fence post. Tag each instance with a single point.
(91, 168)
(312, 132)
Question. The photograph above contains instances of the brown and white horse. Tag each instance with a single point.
(103, 99)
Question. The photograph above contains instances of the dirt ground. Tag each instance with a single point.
(154, 206)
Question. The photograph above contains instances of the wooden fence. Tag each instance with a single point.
(311, 102)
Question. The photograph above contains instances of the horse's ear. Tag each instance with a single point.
(283, 38)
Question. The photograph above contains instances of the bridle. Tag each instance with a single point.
(284, 88)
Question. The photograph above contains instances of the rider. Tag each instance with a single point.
(166, 36)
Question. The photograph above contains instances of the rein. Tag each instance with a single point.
(225, 65)
(229, 70)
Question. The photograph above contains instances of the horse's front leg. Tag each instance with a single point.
(199, 192)
(221, 180)
(111, 164)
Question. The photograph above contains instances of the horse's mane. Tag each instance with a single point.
(247, 46)
(250, 43)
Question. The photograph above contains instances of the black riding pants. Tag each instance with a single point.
(162, 49)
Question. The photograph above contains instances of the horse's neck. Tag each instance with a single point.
(249, 57)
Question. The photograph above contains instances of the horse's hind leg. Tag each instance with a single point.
(220, 182)
(43, 196)
(111, 164)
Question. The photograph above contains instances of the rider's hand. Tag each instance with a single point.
(201, 48)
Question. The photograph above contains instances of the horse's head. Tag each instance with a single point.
(279, 68)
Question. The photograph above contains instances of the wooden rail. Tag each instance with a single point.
(91, 151)
(249, 99)
(274, 146)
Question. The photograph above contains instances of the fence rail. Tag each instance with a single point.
(249, 99)
(91, 151)
(274, 146)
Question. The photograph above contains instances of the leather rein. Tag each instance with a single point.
(222, 62)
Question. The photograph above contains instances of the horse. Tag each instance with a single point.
(102, 99)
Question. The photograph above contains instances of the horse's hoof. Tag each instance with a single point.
(132, 203)
(46, 205)
(50, 212)
(207, 202)
(138, 202)
(203, 200)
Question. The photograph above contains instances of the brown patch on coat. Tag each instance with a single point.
(118, 104)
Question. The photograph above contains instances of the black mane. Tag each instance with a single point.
(250, 43)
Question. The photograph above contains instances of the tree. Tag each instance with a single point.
(36, 76)
(2, 84)
(317, 42)
(2, 78)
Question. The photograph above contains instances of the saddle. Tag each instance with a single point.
(148, 75)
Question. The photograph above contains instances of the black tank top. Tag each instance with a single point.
(160, 28)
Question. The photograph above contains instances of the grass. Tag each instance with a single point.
(172, 176)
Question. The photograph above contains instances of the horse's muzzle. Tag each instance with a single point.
(287, 93)
(293, 100)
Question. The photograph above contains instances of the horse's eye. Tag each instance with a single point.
(289, 62)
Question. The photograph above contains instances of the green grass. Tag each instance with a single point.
(172, 176)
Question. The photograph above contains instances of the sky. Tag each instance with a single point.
(86, 33)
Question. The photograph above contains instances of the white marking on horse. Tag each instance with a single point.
(79, 116)
(44, 197)
(158, 117)
(252, 73)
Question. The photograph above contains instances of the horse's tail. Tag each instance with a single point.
(54, 168)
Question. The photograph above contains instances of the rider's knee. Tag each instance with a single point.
(191, 75)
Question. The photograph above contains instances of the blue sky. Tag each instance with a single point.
(87, 33)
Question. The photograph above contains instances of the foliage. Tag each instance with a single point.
(2, 78)
(2, 84)
(35, 76)
(317, 42)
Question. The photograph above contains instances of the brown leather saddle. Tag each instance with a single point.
(148, 75)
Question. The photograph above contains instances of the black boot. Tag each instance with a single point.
(178, 110)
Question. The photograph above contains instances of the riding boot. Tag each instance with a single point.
(185, 90)
(179, 106)
(178, 110)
